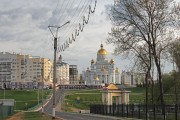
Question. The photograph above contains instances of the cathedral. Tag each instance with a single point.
(102, 71)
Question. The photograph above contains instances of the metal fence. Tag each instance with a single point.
(172, 112)
(5, 111)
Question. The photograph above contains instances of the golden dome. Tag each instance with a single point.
(87, 69)
(117, 70)
(102, 51)
(111, 61)
(92, 61)
(96, 77)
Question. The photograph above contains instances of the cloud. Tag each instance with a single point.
(24, 28)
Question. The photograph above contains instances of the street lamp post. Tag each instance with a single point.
(54, 70)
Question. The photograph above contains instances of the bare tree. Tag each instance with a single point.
(143, 23)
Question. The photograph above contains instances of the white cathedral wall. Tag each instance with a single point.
(118, 78)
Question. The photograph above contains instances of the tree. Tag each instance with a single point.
(169, 82)
(174, 51)
(143, 23)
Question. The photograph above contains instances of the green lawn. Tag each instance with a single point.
(24, 99)
(86, 97)
(35, 116)
(31, 116)
(137, 89)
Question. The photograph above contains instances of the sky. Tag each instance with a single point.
(24, 29)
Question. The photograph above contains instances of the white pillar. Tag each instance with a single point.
(101, 79)
(110, 78)
(127, 96)
(109, 99)
(114, 80)
(105, 79)
(103, 102)
(125, 102)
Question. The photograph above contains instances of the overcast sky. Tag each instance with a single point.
(24, 29)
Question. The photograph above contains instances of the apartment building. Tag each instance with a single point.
(47, 71)
(24, 71)
(62, 70)
(7, 69)
(73, 74)
(132, 78)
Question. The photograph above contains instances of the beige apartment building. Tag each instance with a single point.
(24, 71)
(47, 71)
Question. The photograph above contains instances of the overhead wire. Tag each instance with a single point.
(63, 31)
(76, 20)
(77, 31)
(74, 13)
(61, 8)
(64, 11)
(70, 33)
(75, 17)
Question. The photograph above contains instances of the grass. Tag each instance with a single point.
(35, 116)
(31, 116)
(137, 89)
(137, 95)
(24, 99)
(88, 97)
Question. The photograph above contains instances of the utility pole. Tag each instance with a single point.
(54, 70)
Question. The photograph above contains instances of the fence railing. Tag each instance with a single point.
(172, 112)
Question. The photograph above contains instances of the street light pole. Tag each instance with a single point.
(54, 70)
(54, 76)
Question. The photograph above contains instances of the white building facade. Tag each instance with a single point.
(62, 70)
(7, 69)
(102, 71)
(131, 78)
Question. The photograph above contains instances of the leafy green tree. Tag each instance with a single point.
(168, 82)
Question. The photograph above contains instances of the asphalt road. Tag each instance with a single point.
(79, 116)
(59, 98)
(72, 116)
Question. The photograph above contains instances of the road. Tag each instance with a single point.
(60, 94)
(79, 116)
(59, 99)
